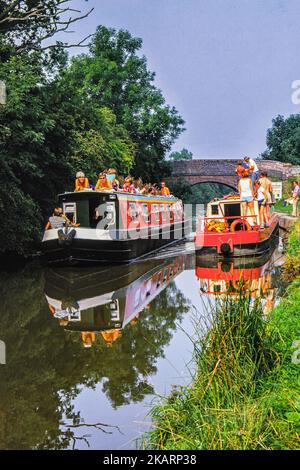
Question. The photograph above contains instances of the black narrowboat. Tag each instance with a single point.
(113, 227)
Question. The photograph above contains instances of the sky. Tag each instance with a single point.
(226, 65)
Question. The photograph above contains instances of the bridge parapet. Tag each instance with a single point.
(205, 169)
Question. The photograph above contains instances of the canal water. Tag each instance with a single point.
(89, 351)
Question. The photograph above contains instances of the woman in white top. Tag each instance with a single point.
(245, 187)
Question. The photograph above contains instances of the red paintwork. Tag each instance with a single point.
(158, 217)
(242, 237)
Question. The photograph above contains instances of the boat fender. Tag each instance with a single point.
(225, 248)
(238, 222)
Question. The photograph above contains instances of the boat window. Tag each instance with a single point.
(232, 211)
(145, 212)
(100, 210)
(214, 209)
(133, 211)
(69, 209)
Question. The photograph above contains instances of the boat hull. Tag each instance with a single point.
(241, 243)
(106, 251)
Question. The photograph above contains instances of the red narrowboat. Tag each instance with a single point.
(113, 227)
(225, 232)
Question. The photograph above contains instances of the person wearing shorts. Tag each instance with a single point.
(246, 191)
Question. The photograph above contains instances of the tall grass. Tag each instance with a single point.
(226, 407)
(292, 262)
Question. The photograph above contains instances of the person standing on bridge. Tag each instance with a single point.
(253, 168)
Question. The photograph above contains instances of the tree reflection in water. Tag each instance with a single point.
(47, 365)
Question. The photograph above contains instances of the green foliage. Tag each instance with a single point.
(184, 154)
(102, 111)
(283, 140)
(114, 76)
(292, 261)
(48, 132)
(201, 193)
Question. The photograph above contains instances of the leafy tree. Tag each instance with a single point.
(184, 154)
(48, 131)
(116, 77)
(26, 24)
(283, 140)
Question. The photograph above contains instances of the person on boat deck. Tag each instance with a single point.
(81, 182)
(246, 191)
(58, 220)
(239, 169)
(88, 338)
(253, 168)
(267, 185)
(262, 199)
(111, 175)
(152, 191)
(103, 183)
(129, 186)
(164, 189)
(295, 195)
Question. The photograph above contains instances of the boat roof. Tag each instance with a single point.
(89, 194)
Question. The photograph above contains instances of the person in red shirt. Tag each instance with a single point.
(164, 189)
(239, 169)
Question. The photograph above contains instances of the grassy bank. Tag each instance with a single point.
(279, 207)
(246, 392)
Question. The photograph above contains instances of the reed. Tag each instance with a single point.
(227, 406)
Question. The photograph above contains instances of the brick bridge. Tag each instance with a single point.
(223, 171)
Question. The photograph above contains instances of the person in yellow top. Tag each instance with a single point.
(164, 189)
(81, 182)
(103, 183)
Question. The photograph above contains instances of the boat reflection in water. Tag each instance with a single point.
(255, 276)
(103, 301)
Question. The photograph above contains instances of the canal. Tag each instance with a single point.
(88, 351)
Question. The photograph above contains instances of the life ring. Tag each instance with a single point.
(242, 222)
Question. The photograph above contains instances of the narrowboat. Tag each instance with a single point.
(113, 227)
(95, 301)
(225, 232)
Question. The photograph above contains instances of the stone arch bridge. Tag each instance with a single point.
(223, 171)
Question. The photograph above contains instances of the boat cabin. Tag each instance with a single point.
(229, 209)
(120, 210)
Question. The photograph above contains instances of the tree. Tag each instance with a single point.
(184, 154)
(116, 77)
(26, 24)
(48, 131)
(283, 140)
